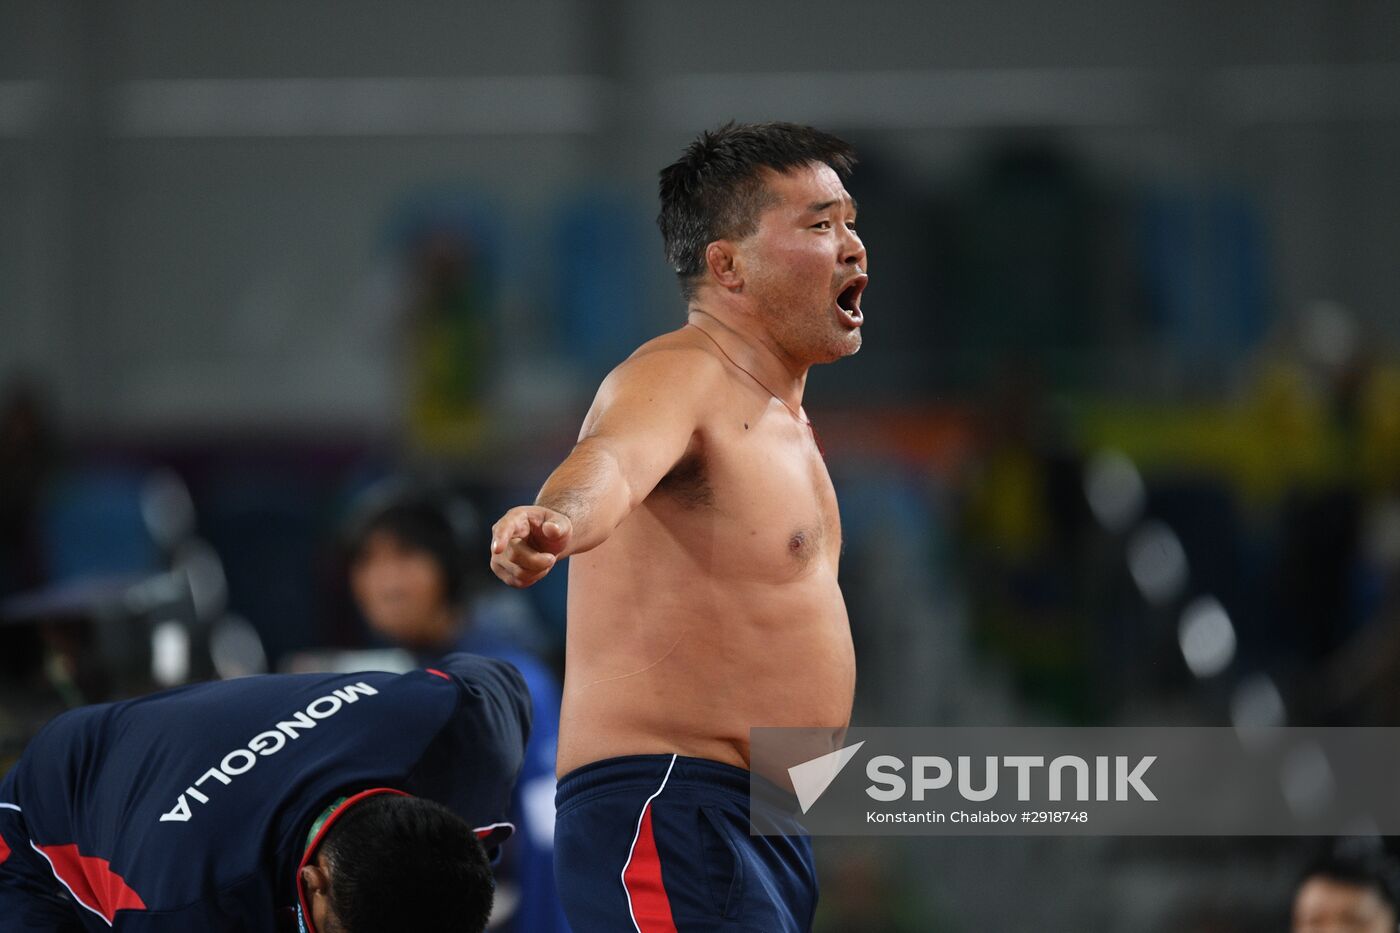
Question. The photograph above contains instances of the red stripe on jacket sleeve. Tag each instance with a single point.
(92, 881)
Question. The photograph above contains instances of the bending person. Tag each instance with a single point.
(330, 803)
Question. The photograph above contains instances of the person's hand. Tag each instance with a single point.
(526, 543)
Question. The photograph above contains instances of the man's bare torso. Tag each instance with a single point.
(714, 606)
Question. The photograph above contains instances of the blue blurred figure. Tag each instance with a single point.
(409, 578)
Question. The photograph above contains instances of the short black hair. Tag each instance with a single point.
(405, 863)
(435, 521)
(715, 190)
(1375, 872)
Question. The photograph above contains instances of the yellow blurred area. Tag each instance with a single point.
(1282, 432)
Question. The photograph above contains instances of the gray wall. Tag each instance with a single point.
(193, 196)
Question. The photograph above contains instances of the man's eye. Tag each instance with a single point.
(822, 225)
(850, 225)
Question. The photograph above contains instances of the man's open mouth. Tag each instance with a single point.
(848, 300)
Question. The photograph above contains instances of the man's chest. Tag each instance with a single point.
(763, 492)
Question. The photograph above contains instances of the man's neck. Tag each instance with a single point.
(753, 350)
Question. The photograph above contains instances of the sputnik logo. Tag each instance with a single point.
(811, 778)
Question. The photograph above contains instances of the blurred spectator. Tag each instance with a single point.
(1348, 894)
(450, 331)
(409, 577)
(27, 457)
(1030, 261)
(1024, 523)
(1328, 392)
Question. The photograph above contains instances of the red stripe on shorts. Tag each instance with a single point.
(4, 850)
(651, 908)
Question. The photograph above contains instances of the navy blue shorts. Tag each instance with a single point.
(661, 844)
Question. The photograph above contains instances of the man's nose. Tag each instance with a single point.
(853, 250)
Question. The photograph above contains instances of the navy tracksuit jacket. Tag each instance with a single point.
(188, 810)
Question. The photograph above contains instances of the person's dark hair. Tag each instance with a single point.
(1373, 872)
(405, 863)
(715, 190)
(429, 520)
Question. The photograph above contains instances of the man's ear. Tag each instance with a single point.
(316, 879)
(725, 265)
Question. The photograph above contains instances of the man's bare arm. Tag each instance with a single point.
(591, 488)
(642, 422)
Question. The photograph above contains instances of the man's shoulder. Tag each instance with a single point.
(676, 350)
(672, 364)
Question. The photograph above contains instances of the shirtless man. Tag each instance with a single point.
(704, 537)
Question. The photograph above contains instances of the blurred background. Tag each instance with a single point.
(1122, 446)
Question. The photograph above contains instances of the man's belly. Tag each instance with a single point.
(692, 673)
